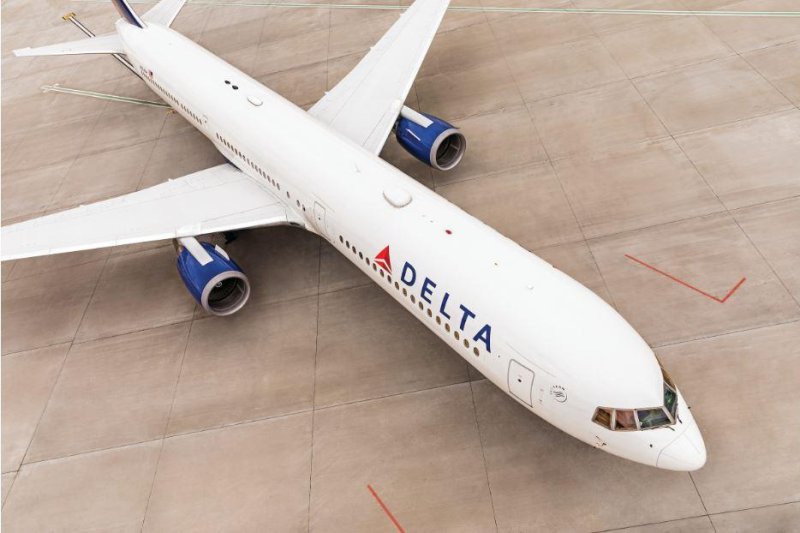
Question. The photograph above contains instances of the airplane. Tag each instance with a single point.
(551, 344)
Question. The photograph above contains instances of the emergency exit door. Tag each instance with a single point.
(520, 382)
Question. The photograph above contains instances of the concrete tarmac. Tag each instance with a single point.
(612, 146)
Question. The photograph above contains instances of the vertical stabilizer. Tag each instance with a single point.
(127, 13)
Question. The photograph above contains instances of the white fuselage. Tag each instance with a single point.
(550, 343)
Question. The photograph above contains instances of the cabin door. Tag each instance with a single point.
(520, 382)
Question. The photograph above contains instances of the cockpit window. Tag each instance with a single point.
(643, 418)
(671, 401)
(625, 420)
(603, 417)
(653, 418)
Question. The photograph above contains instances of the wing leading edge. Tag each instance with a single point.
(220, 198)
(365, 104)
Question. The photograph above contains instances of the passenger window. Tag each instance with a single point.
(601, 416)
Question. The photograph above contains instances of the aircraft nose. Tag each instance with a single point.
(686, 453)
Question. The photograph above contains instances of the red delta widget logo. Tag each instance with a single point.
(430, 291)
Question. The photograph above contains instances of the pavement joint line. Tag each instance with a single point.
(725, 333)
(314, 385)
(237, 423)
(166, 423)
(63, 364)
(498, 9)
(710, 516)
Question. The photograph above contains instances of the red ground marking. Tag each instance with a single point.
(386, 510)
(687, 285)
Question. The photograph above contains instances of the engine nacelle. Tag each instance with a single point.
(213, 279)
(430, 139)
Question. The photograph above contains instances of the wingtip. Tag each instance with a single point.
(22, 52)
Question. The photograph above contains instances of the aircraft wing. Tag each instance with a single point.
(365, 104)
(220, 198)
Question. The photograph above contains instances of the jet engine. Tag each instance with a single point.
(213, 279)
(430, 139)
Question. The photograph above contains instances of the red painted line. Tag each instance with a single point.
(687, 285)
(386, 510)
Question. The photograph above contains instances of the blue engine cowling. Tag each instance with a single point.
(219, 286)
(430, 139)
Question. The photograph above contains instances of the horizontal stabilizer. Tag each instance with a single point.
(102, 44)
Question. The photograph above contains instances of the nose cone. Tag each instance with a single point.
(686, 453)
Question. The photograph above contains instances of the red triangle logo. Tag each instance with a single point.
(384, 260)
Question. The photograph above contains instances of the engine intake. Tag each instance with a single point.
(430, 139)
(214, 280)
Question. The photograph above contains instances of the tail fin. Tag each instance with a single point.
(125, 11)
(164, 12)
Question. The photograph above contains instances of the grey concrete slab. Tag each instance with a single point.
(86, 492)
(563, 68)
(603, 23)
(48, 145)
(47, 308)
(110, 393)
(480, 90)
(686, 525)
(303, 48)
(711, 254)
(531, 31)
(681, 97)
(634, 186)
(282, 263)
(534, 470)
(595, 120)
(302, 86)
(775, 230)
(745, 35)
(102, 175)
(258, 364)
(241, 31)
(7, 483)
(498, 141)
(369, 347)
(460, 50)
(26, 268)
(751, 448)
(131, 283)
(420, 452)
(28, 380)
(337, 273)
(499, 199)
(178, 155)
(576, 260)
(777, 518)
(251, 477)
(781, 66)
(641, 50)
(352, 31)
(29, 192)
(749, 162)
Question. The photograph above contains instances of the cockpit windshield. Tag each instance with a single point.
(644, 418)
